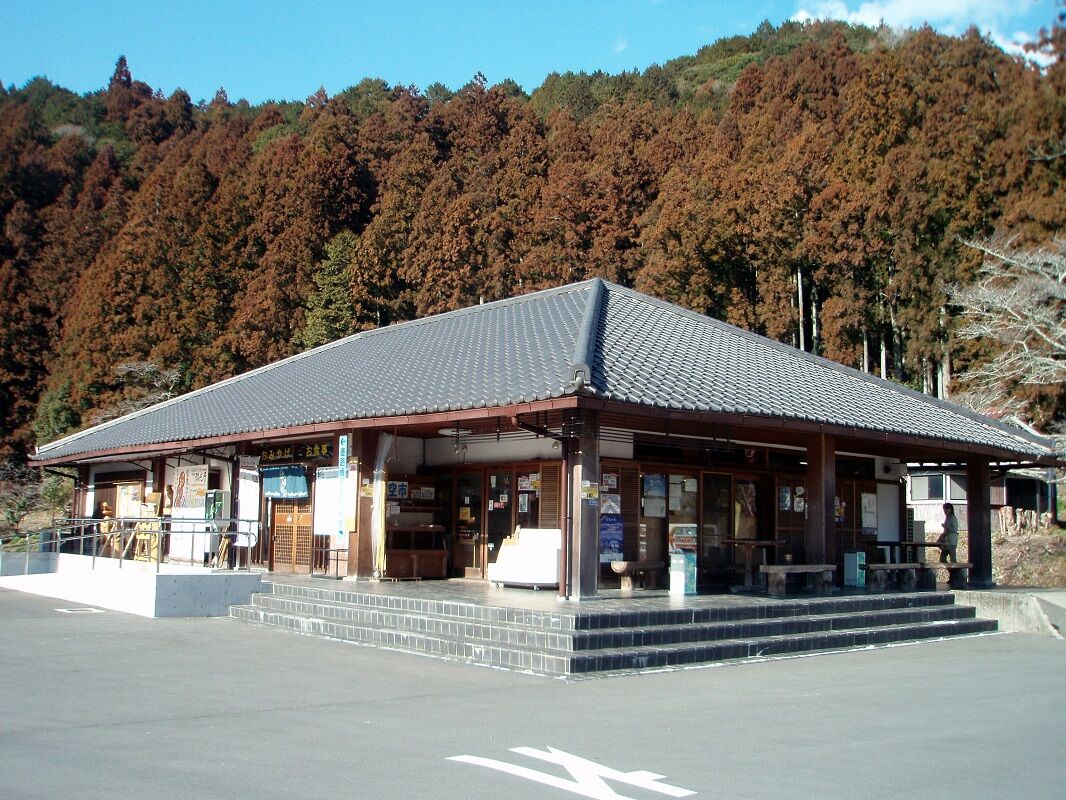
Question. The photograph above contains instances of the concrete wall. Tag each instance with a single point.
(136, 588)
(1016, 612)
(15, 563)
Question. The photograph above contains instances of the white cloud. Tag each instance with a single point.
(948, 16)
(621, 45)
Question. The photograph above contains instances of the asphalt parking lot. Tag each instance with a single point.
(107, 705)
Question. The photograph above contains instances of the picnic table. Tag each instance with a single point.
(749, 546)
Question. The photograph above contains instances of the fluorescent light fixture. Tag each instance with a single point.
(454, 431)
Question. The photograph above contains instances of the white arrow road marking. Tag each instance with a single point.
(588, 775)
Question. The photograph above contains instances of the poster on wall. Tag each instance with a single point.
(655, 507)
(869, 513)
(610, 538)
(683, 536)
(610, 503)
(190, 503)
(190, 492)
(129, 500)
(654, 485)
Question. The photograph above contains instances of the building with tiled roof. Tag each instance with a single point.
(635, 426)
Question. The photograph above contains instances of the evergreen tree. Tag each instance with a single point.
(330, 313)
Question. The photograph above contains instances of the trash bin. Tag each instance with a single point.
(682, 573)
(854, 574)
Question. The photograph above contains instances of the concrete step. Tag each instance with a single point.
(508, 633)
(762, 647)
(561, 663)
(544, 661)
(593, 618)
(747, 629)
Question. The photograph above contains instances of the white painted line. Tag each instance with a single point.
(80, 610)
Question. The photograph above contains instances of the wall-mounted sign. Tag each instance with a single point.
(302, 451)
(396, 489)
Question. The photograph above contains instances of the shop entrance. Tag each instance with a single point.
(490, 503)
(733, 506)
(291, 526)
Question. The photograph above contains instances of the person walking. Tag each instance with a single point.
(949, 539)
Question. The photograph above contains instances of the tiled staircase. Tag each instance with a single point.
(593, 638)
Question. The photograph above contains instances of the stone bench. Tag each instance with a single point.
(958, 574)
(877, 575)
(819, 577)
(645, 570)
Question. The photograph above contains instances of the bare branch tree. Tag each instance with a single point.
(147, 384)
(20, 494)
(1019, 302)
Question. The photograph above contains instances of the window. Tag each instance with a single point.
(957, 487)
(927, 487)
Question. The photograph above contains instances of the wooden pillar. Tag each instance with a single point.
(821, 497)
(81, 494)
(360, 549)
(979, 520)
(585, 536)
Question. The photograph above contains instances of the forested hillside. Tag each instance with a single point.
(815, 183)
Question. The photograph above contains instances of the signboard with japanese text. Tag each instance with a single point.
(299, 451)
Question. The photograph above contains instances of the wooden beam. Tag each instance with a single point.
(979, 521)
(821, 497)
(585, 544)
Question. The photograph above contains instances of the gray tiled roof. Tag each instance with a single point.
(638, 350)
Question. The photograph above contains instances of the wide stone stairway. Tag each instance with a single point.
(534, 632)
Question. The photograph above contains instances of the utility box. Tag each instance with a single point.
(216, 504)
(854, 574)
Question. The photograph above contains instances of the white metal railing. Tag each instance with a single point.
(146, 539)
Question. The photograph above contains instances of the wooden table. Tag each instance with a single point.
(897, 548)
(749, 546)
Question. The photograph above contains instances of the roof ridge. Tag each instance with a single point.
(850, 372)
(584, 354)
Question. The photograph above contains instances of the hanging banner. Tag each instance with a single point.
(342, 456)
(284, 482)
(343, 489)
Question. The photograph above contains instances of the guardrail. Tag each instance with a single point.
(146, 539)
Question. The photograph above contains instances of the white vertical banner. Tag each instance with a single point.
(377, 522)
(342, 474)
(248, 501)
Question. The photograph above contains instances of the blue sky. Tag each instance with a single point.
(286, 50)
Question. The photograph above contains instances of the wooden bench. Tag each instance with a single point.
(906, 574)
(819, 577)
(646, 570)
